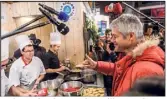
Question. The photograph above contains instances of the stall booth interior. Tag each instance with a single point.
(88, 35)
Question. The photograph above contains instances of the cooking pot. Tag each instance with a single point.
(89, 75)
(71, 88)
(51, 85)
(43, 84)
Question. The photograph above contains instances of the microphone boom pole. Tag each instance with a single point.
(26, 24)
(143, 14)
(24, 29)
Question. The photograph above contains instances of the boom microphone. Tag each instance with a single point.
(61, 15)
(61, 27)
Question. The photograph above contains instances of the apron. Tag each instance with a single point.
(5, 85)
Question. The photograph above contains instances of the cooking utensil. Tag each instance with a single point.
(74, 77)
(61, 80)
(79, 66)
(71, 84)
(68, 69)
(60, 73)
(89, 75)
(53, 87)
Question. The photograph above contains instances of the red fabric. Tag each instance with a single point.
(24, 61)
(117, 9)
(43, 92)
(158, 12)
(106, 9)
(120, 55)
(127, 70)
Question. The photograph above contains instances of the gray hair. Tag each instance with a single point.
(127, 23)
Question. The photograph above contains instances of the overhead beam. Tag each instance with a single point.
(151, 7)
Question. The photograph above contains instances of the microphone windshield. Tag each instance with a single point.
(63, 16)
(63, 29)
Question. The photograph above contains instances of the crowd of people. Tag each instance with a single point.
(131, 59)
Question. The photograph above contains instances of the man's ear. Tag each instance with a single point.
(21, 52)
(131, 36)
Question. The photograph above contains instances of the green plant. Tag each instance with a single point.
(91, 28)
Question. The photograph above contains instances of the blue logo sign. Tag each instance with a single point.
(68, 8)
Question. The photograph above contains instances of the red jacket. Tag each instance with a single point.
(148, 62)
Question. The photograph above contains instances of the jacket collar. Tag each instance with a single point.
(139, 49)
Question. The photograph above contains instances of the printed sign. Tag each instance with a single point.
(102, 25)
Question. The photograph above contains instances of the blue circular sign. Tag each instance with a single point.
(67, 9)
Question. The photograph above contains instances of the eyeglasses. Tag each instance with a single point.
(28, 51)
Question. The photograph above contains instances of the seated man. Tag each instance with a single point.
(6, 86)
(27, 71)
(39, 51)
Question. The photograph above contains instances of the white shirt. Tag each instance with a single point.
(24, 75)
(5, 85)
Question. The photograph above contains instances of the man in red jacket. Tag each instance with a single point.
(143, 57)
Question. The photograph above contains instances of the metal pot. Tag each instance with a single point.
(73, 77)
(89, 76)
(61, 80)
(53, 86)
(71, 84)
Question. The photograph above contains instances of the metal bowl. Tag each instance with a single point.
(43, 84)
(61, 80)
(70, 84)
(53, 86)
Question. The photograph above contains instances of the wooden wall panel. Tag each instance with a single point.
(32, 8)
(38, 12)
(50, 4)
(42, 33)
(23, 9)
(72, 46)
(14, 9)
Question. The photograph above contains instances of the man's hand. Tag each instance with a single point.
(35, 87)
(36, 84)
(89, 63)
(29, 94)
(62, 68)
